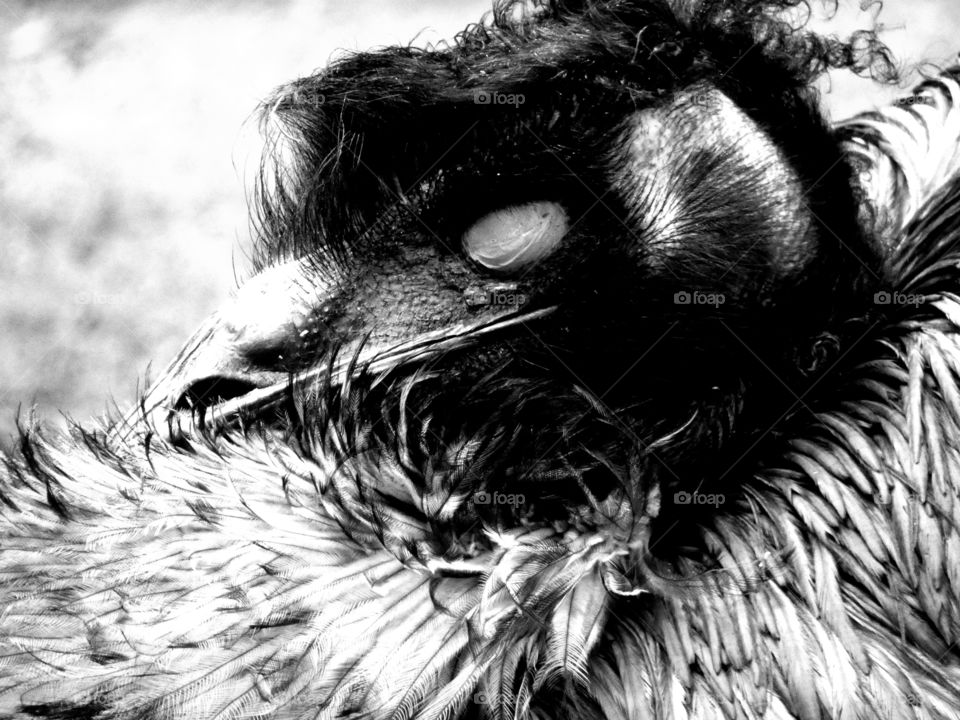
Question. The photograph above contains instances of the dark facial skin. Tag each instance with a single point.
(687, 197)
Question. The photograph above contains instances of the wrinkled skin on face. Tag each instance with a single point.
(541, 403)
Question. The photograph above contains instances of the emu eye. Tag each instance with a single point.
(516, 236)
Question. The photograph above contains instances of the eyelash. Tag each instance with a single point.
(457, 207)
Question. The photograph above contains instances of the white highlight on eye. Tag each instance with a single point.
(516, 236)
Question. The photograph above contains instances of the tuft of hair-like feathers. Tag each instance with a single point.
(344, 145)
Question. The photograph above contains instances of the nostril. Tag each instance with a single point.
(210, 391)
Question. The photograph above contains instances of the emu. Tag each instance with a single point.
(586, 373)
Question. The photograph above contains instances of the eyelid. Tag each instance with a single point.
(516, 236)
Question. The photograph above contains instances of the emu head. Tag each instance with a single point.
(621, 210)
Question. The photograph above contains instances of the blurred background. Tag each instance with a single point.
(127, 145)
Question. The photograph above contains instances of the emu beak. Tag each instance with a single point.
(233, 365)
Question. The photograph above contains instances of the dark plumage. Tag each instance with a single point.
(635, 396)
